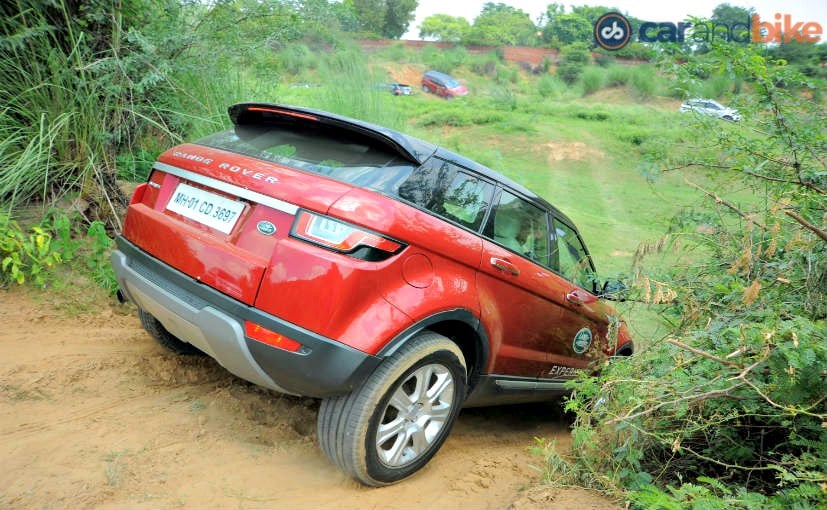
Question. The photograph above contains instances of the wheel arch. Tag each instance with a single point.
(626, 349)
(460, 326)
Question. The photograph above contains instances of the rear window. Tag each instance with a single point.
(339, 154)
(438, 186)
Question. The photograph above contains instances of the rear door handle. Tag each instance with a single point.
(504, 265)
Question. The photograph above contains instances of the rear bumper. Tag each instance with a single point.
(214, 322)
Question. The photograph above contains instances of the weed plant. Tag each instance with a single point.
(32, 254)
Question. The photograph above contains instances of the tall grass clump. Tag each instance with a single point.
(70, 103)
(618, 76)
(644, 81)
(352, 90)
(593, 79)
(551, 87)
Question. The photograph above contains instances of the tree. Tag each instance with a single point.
(398, 16)
(592, 13)
(388, 18)
(444, 27)
(370, 14)
(567, 29)
(554, 10)
(730, 15)
(502, 25)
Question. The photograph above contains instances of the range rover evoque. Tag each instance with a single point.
(323, 256)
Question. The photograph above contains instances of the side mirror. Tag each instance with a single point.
(614, 290)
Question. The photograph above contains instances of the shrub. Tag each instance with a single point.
(31, 254)
(460, 116)
(25, 255)
(485, 65)
(727, 410)
(504, 99)
(397, 52)
(716, 86)
(506, 74)
(573, 59)
(444, 60)
(297, 57)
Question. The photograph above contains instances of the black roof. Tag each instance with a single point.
(409, 147)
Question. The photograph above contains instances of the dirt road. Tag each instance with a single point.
(94, 414)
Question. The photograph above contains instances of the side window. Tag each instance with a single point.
(448, 191)
(571, 257)
(519, 226)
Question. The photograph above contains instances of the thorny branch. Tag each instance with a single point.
(729, 205)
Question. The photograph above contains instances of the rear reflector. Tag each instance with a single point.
(269, 337)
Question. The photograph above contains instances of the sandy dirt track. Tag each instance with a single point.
(95, 414)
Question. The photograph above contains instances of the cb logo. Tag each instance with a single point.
(612, 31)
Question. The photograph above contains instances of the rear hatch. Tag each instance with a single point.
(217, 208)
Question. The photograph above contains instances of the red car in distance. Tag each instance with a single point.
(323, 256)
(442, 85)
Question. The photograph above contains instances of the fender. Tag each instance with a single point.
(462, 315)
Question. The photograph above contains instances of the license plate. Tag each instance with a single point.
(206, 208)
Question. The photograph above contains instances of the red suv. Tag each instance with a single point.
(442, 85)
(322, 256)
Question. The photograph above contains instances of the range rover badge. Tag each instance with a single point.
(266, 228)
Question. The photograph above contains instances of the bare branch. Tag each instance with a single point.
(806, 224)
(702, 353)
(698, 397)
(729, 205)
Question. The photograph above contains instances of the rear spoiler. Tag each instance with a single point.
(408, 147)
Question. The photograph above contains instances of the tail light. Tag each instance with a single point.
(343, 238)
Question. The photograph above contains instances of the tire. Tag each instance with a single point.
(157, 330)
(348, 425)
(425, 89)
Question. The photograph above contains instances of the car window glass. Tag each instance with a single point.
(572, 259)
(446, 190)
(519, 226)
(347, 157)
